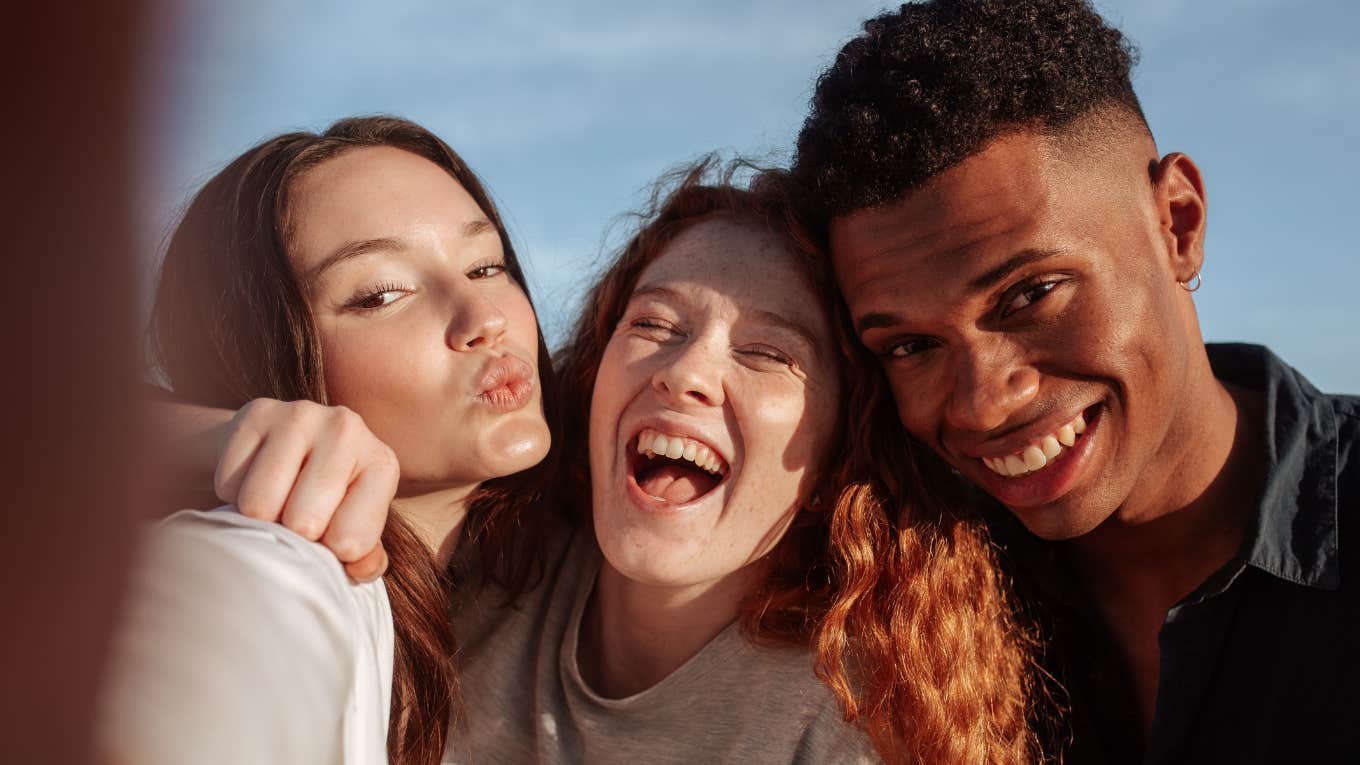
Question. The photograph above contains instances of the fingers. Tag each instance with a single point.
(316, 469)
(357, 525)
(369, 567)
(269, 478)
(319, 489)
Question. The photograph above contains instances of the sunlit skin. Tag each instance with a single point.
(410, 320)
(1036, 281)
(723, 340)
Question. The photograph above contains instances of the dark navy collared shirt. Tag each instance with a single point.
(1259, 663)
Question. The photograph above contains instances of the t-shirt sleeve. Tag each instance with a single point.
(237, 645)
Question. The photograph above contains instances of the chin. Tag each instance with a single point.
(1060, 521)
(513, 446)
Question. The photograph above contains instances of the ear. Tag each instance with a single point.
(1179, 191)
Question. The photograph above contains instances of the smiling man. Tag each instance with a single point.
(1021, 259)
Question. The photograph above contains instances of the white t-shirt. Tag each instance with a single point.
(242, 642)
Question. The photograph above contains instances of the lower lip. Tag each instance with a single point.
(1052, 481)
(510, 397)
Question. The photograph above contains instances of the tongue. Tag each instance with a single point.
(676, 483)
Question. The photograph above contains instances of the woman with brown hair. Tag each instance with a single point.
(364, 268)
(725, 546)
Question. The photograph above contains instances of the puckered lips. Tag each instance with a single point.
(1039, 463)
(670, 468)
(506, 383)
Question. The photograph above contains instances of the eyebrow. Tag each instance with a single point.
(768, 317)
(469, 230)
(792, 326)
(1010, 266)
(353, 250)
(986, 280)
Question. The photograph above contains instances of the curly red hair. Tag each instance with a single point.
(889, 579)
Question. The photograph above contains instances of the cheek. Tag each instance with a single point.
(606, 403)
(916, 408)
(368, 365)
(786, 432)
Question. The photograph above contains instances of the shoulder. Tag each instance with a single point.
(242, 637)
(780, 682)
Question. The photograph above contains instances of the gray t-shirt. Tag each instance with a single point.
(525, 701)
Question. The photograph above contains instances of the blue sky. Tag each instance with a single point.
(569, 110)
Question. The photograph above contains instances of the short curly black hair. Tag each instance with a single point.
(931, 84)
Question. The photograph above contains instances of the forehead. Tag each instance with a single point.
(1003, 194)
(736, 265)
(371, 193)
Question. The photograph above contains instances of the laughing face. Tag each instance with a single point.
(1025, 309)
(713, 402)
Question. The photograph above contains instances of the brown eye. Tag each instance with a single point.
(904, 349)
(376, 298)
(1028, 296)
(486, 272)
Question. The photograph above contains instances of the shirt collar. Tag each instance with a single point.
(1295, 535)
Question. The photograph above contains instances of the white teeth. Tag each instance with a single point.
(1034, 458)
(1037, 455)
(654, 444)
(1067, 435)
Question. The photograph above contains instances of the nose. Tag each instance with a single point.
(691, 375)
(991, 383)
(476, 321)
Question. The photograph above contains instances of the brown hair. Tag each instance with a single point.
(891, 584)
(230, 323)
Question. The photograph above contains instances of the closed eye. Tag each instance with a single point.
(654, 329)
(765, 352)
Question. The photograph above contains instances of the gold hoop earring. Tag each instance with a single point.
(1193, 283)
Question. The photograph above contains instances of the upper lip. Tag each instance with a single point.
(674, 428)
(504, 371)
(1015, 439)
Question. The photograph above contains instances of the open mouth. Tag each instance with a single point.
(1043, 451)
(674, 469)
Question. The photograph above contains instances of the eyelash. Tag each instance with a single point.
(482, 268)
(1040, 290)
(356, 303)
(762, 351)
(1044, 287)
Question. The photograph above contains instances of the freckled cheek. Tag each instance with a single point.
(607, 401)
(785, 433)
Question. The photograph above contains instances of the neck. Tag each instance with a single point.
(1188, 515)
(634, 635)
(1184, 521)
(436, 516)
